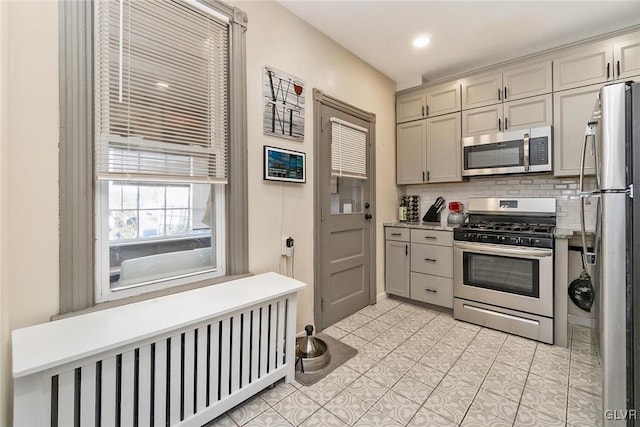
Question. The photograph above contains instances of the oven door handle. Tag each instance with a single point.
(504, 250)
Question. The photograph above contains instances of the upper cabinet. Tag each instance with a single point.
(428, 151)
(626, 55)
(410, 107)
(429, 102)
(597, 63)
(523, 81)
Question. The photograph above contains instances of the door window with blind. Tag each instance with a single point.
(348, 166)
(161, 138)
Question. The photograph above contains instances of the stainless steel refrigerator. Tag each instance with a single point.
(614, 135)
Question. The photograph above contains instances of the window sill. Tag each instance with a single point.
(150, 295)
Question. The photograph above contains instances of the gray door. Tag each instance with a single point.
(345, 227)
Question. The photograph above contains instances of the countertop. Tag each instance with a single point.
(560, 233)
(420, 225)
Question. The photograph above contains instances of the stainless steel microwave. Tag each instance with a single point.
(517, 151)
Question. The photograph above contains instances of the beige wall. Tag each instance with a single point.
(29, 155)
(277, 38)
(28, 172)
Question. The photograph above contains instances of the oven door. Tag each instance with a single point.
(518, 278)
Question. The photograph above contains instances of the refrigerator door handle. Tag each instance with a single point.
(587, 257)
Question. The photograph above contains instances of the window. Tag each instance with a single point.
(158, 77)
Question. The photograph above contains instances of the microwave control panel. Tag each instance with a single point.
(539, 151)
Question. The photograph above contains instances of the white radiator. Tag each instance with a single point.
(182, 359)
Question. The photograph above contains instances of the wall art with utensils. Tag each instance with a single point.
(283, 100)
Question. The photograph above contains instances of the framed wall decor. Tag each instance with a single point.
(283, 97)
(284, 165)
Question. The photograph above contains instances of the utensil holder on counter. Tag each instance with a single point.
(412, 203)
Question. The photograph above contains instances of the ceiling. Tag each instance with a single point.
(465, 35)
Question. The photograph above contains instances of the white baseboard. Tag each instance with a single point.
(382, 295)
(581, 321)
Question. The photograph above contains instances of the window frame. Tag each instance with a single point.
(78, 213)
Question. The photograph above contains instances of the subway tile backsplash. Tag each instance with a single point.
(565, 190)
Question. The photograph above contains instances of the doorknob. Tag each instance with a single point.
(368, 216)
(366, 205)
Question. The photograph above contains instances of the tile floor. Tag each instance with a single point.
(419, 367)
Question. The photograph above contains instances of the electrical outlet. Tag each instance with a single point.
(287, 246)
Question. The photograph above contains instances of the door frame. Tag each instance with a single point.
(320, 99)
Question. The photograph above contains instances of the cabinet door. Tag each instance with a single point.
(481, 121)
(410, 107)
(443, 149)
(397, 268)
(411, 156)
(573, 109)
(627, 58)
(478, 91)
(432, 289)
(528, 80)
(443, 99)
(585, 66)
(528, 113)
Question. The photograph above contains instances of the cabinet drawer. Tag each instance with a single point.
(431, 259)
(432, 237)
(397, 233)
(432, 289)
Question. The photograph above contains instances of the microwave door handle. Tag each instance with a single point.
(526, 152)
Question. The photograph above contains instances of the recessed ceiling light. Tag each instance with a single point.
(162, 84)
(421, 41)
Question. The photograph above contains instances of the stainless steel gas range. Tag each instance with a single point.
(503, 266)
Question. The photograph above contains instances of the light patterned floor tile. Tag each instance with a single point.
(425, 418)
(223, 420)
(413, 389)
(354, 341)
(365, 332)
(449, 406)
(277, 393)
(413, 351)
(360, 363)
(322, 391)
(296, 408)
(347, 407)
(375, 418)
(323, 418)
(343, 376)
(269, 418)
(528, 417)
(335, 332)
(441, 357)
(553, 402)
(584, 409)
(398, 362)
(476, 417)
(367, 389)
(495, 404)
(248, 410)
(397, 407)
(544, 384)
(374, 351)
(586, 378)
(426, 374)
(384, 375)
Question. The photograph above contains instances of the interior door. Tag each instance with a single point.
(344, 231)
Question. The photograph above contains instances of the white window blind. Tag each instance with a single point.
(348, 149)
(161, 92)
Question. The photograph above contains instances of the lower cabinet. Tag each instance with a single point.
(397, 256)
(419, 265)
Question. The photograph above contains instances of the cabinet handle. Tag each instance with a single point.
(618, 67)
(427, 109)
(505, 92)
(499, 94)
(499, 124)
(427, 175)
(396, 234)
(608, 74)
(506, 123)
(423, 177)
(430, 260)
(433, 291)
(406, 250)
(430, 237)
(423, 111)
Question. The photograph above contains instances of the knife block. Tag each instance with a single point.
(431, 216)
